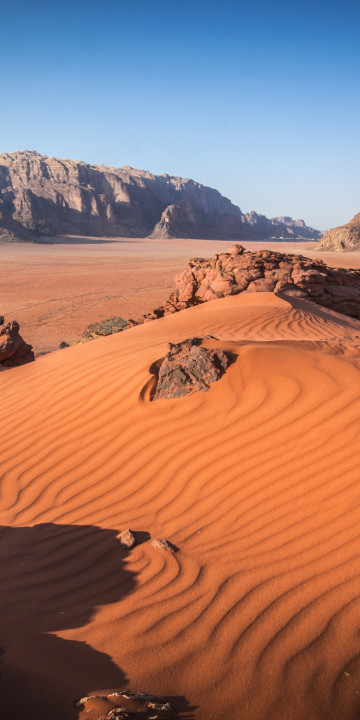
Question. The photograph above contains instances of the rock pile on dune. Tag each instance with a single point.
(13, 349)
(238, 270)
(187, 368)
(345, 237)
(131, 704)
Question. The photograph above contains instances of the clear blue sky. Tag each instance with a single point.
(259, 99)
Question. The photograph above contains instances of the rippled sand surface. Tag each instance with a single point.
(256, 482)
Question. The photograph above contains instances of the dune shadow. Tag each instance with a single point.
(53, 577)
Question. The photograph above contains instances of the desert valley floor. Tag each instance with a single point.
(56, 290)
(255, 616)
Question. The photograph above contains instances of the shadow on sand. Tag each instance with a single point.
(52, 578)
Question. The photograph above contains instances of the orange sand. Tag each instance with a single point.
(256, 617)
(55, 291)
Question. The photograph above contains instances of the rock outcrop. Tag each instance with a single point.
(127, 704)
(187, 368)
(44, 195)
(13, 349)
(238, 270)
(343, 238)
(104, 327)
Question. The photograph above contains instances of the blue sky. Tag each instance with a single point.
(258, 99)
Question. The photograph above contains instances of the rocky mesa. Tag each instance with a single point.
(343, 238)
(44, 195)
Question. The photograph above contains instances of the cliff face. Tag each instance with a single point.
(44, 195)
(343, 238)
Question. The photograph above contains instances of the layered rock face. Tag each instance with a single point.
(13, 349)
(343, 238)
(238, 270)
(44, 195)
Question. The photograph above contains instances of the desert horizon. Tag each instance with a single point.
(179, 361)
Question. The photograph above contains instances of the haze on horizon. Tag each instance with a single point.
(260, 101)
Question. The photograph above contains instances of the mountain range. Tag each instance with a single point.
(42, 195)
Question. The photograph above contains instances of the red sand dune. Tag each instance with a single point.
(256, 482)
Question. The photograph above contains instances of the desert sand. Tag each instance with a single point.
(56, 290)
(256, 483)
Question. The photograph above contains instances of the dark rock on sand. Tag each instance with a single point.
(189, 367)
(104, 327)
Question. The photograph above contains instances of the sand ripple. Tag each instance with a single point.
(256, 482)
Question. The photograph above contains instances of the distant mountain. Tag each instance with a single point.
(343, 238)
(44, 195)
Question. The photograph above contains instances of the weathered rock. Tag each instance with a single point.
(162, 545)
(45, 195)
(342, 238)
(187, 368)
(104, 327)
(13, 349)
(238, 270)
(133, 704)
(126, 538)
(63, 345)
(233, 272)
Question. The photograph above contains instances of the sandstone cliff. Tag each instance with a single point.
(343, 238)
(45, 195)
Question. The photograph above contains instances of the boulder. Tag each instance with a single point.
(104, 327)
(13, 349)
(187, 368)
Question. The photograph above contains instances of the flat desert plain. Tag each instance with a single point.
(56, 290)
(255, 483)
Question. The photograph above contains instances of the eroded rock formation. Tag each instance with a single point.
(343, 238)
(45, 195)
(187, 368)
(233, 272)
(127, 704)
(13, 349)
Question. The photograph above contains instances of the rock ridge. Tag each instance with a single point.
(239, 270)
(343, 238)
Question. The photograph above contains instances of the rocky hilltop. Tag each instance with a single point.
(343, 238)
(45, 195)
(239, 270)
